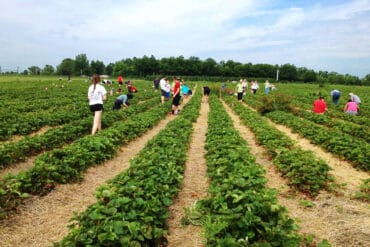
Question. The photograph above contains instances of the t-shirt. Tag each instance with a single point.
(356, 99)
(319, 106)
(176, 88)
(352, 106)
(96, 96)
(239, 87)
(162, 84)
(123, 98)
(185, 89)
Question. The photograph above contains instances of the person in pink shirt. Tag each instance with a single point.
(351, 107)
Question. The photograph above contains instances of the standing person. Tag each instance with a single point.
(164, 88)
(120, 81)
(96, 95)
(176, 97)
(254, 87)
(245, 86)
(267, 87)
(355, 98)
(319, 105)
(122, 100)
(335, 96)
(206, 92)
(351, 107)
(156, 83)
(239, 90)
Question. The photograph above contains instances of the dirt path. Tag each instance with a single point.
(194, 187)
(342, 221)
(43, 220)
(343, 171)
(18, 167)
(16, 138)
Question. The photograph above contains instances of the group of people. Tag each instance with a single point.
(242, 87)
(97, 94)
(177, 89)
(352, 105)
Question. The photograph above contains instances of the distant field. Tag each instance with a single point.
(266, 175)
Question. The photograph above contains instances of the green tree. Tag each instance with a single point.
(97, 67)
(34, 70)
(48, 70)
(366, 80)
(109, 69)
(66, 67)
(81, 65)
(288, 72)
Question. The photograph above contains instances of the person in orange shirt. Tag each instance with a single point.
(120, 81)
(319, 106)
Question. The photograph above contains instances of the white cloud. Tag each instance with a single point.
(43, 32)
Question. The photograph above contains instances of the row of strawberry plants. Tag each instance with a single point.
(56, 137)
(353, 149)
(132, 209)
(240, 210)
(304, 171)
(329, 119)
(25, 124)
(362, 132)
(67, 164)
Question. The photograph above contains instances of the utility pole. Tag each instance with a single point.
(277, 75)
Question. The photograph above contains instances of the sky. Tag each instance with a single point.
(328, 35)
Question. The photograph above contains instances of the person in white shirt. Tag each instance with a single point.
(96, 95)
(355, 98)
(164, 88)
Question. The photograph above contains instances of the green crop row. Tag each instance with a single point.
(356, 151)
(132, 209)
(304, 171)
(56, 137)
(67, 164)
(362, 132)
(240, 210)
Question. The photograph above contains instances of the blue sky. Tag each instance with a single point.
(321, 35)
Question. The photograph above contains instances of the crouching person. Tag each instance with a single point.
(122, 100)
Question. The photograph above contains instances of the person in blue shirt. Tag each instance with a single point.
(122, 100)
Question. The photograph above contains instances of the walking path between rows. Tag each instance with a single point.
(43, 220)
(195, 185)
(342, 221)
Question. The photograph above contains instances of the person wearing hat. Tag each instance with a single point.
(335, 95)
(355, 98)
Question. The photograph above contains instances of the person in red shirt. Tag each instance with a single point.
(319, 106)
(120, 81)
(176, 97)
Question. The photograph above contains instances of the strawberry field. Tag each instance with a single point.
(262, 172)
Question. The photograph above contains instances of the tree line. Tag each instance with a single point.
(148, 67)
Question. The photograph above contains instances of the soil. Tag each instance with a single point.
(194, 187)
(337, 218)
(332, 216)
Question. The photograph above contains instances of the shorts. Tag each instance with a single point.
(240, 96)
(207, 91)
(96, 107)
(163, 93)
(176, 100)
(351, 112)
